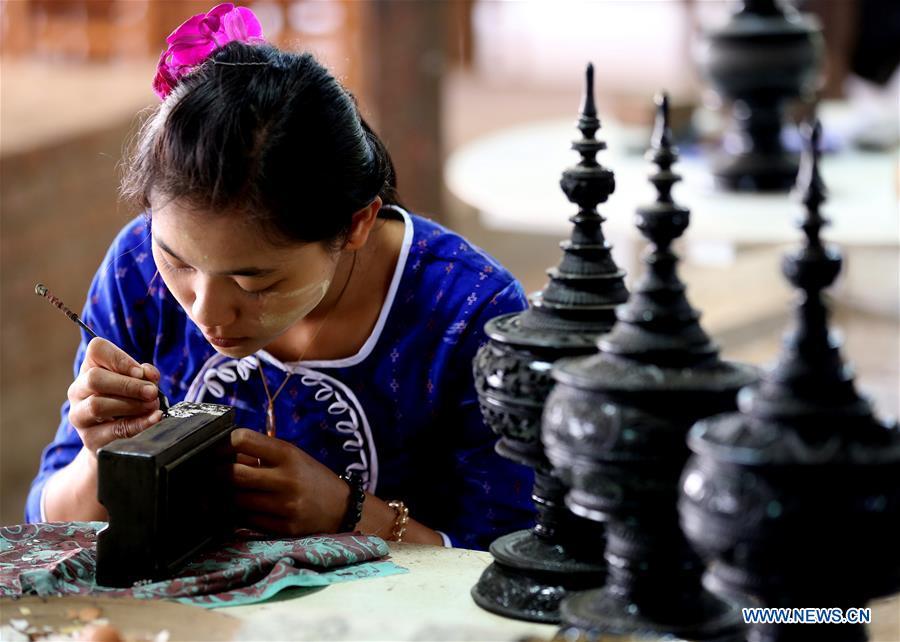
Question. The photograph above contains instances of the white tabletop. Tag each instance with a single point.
(512, 178)
(431, 602)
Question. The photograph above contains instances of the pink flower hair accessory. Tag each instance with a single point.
(196, 38)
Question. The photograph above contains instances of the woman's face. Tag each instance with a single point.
(234, 284)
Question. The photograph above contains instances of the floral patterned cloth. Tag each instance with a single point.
(59, 558)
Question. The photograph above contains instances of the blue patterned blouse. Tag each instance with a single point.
(402, 412)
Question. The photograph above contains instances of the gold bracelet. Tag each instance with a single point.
(400, 521)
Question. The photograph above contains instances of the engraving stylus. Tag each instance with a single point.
(42, 290)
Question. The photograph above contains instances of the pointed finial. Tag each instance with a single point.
(662, 153)
(816, 265)
(658, 325)
(810, 186)
(588, 123)
(810, 384)
(587, 285)
(662, 134)
(588, 183)
(588, 108)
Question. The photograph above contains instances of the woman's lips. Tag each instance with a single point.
(225, 342)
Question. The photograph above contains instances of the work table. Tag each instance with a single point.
(431, 602)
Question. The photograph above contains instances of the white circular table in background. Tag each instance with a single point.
(512, 178)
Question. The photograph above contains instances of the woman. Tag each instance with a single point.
(274, 270)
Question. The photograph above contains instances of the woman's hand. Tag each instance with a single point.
(113, 397)
(280, 489)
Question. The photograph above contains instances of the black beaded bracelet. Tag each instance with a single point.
(354, 502)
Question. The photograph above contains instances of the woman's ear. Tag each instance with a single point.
(361, 227)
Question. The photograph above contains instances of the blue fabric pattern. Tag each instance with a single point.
(402, 412)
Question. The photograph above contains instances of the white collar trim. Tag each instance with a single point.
(372, 341)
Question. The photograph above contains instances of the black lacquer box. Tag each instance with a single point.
(167, 491)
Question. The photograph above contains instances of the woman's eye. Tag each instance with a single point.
(254, 292)
(175, 268)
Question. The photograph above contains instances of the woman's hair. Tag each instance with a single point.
(267, 133)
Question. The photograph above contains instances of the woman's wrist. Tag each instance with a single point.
(355, 501)
(380, 519)
(70, 494)
(376, 517)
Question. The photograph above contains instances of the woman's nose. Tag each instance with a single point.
(212, 306)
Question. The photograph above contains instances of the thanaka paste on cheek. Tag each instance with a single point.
(281, 309)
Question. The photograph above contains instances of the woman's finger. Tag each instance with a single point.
(151, 373)
(247, 460)
(97, 409)
(255, 478)
(255, 444)
(100, 381)
(98, 436)
(104, 354)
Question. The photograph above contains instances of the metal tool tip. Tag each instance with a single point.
(40, 289)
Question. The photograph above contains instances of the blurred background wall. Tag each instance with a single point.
(431, 77)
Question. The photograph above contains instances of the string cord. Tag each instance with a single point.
(270, 409)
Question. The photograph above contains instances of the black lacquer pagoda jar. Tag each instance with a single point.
(533, 569)
(795, 499)
(764, 56)
(614, 429)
